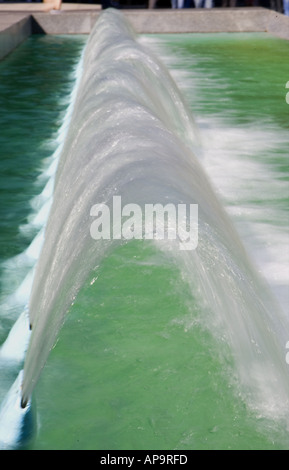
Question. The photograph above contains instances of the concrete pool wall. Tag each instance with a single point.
(19, 21)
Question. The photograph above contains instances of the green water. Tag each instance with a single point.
(35, 84)
(244, 75)
(135, 367)
(235, 85)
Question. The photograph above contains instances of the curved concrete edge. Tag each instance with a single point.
(14, 29)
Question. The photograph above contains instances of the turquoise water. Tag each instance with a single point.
(136, 365)
(33, 90)
(35, 83)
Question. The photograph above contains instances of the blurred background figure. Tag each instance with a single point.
(177, 3)
(204, 3)
(183, 4)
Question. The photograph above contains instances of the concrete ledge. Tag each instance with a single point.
(173, 21)
(161, 21)
(16, 26)
(59, 22)
(198, 20)
(24, 7)
(14, 29)
(46, 5)
(277, 24)
(214, 20)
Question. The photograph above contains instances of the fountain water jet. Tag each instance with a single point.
(131, 135)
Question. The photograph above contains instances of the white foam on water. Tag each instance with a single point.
(15, 346)
(12, 417)
(250, 191)
(17, 277)
(249, 187)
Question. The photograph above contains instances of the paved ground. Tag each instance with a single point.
(45, 7)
